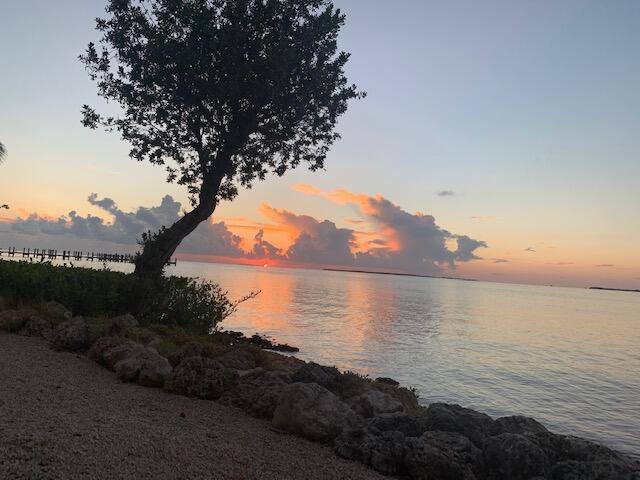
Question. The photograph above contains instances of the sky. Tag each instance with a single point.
(499, 141)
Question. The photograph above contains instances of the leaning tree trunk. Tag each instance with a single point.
(157, 252)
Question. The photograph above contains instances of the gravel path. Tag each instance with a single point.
(64, 417)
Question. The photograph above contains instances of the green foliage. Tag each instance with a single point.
(173, 302)
(221, 92)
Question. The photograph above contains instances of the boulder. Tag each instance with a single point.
(3, 304)
(144, 336)
(405, 396)
(37, 326)
(120, 351)
(574, 457)
(72, 335)
(443, 456)
(119, 325)
(453, 418)
(55, 312)
(312, 411)
(511, 456)
(275, 361)
(101, 350)
(517, 424)
(408, 425)
(190, 349)
(15, 320)
(199, 377)
(313, 373)
(388, 381)
(383, 451)
(373, 403)
(238, 359)
(257, 392)
(146, 367)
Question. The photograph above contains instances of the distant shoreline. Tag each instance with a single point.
(398, 274)
(614, 289)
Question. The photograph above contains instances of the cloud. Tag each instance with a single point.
(127, 227)
(500, 260)
(316, 241)
(530, 249)
(445, 193)
(413, 241)
(561, 263)
(605, 265)
(397, 240)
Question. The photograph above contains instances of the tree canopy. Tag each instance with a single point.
(227, 90)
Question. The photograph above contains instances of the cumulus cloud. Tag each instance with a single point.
(397, 239)
(445, 193)
(126, 228)
(530, 249)
(413, 241)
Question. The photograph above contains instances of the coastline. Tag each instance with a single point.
(377, 422)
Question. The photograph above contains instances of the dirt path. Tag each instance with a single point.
(64, 417)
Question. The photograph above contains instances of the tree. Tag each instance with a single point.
(3, 154)
(220, 92)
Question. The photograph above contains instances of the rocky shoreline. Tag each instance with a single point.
(375, 422)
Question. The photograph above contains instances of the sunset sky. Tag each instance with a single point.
(499, 140)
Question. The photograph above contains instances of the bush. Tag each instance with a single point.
(196, 306)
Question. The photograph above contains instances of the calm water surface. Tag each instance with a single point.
(568, 357)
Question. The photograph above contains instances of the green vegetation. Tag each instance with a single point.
(193, 305)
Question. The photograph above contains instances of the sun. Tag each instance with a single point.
(265, 265)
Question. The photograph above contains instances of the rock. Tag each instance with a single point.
(143, 336)
(350, 384)
(14, 320)
(408, 425)
(3, 304)
(257, 392)
(373, 403)
(312, 411)
(72, 335)
(405, 396)
(383, 451)
(388, 381)
(443, 456)
(199, 377)
(454, 418)
(275, 361)
(190, 349)
(37, 326)
(55, 312)
(146, 367)
(123, 350)
(574, 458)
(512, 456)
(119, 325)
(238, 359)
(314, 373)
(596, 470)
(99, 351)
(517, 424)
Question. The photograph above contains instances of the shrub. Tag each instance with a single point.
(196, 306)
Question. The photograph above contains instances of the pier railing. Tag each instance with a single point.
(52, 254)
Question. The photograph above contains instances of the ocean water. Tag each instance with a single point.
(568, 357)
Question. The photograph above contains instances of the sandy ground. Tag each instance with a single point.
(64, 417)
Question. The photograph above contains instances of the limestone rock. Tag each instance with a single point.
(199, 377)
(119, 325)
(319, 374)
(373, 402)
(443, 456)
(238, 359)
(453, 418)
(512, 456)
(257, 392)
(72, 335)
(383, 451)
(312, 411)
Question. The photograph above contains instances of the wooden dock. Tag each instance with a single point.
(68, 255)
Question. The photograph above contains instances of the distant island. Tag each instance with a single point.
(399, 274)
(614, 289)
